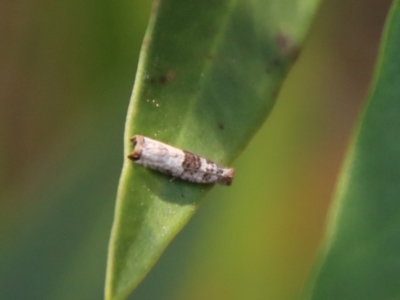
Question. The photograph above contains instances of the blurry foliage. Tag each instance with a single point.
(360, 257)
(67, 69)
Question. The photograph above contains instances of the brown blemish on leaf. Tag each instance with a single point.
(221, 126)
(286, 46)
(283, 42)
(170, 76)
(163, 79)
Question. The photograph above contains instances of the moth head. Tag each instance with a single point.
(137, 142)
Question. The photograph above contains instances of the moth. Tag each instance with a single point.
(178, 163)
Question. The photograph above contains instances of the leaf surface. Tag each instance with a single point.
(208, 76)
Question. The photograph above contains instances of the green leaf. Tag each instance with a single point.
(360, 257)
(208, 76)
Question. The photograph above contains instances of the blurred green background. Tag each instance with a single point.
(66, 73)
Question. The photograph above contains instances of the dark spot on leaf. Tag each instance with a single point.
(287, 46)
(168, 77)
(221, 126)
(283, 42)
(163, 79)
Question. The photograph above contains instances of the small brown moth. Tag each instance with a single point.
(178, 163)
